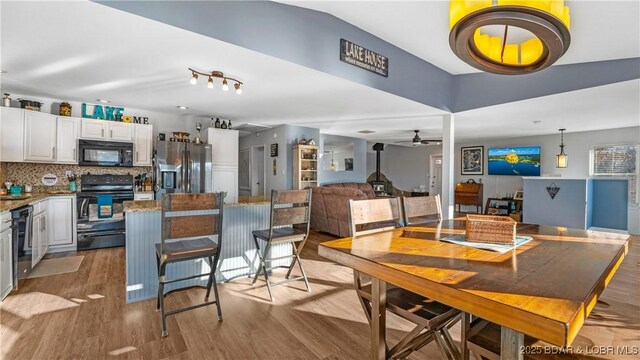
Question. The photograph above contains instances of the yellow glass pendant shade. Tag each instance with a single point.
(530, 51)
(498, 51)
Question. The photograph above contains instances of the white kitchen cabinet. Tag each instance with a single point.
(12, 134)
(225, 178)
(225, 146)
(143, 195)
(93, 129)
(142, 145)
(61, 225)
(120, 131)
(39, 136)
(67, 140)
(40, 238)
(6, 263)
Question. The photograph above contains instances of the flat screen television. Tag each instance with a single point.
(518, 161)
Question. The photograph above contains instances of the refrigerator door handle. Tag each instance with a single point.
(187, 170)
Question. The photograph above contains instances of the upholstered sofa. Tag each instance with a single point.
(330, 206)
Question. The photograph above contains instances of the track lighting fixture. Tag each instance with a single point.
(216, 74)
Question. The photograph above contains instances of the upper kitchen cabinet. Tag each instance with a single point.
(11, 133)
(67, 140)
(142, 145)
(39, 136)
(120, 131)
(225, 146)
(93, 129)
(106, 130)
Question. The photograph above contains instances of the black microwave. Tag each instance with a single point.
(105, 153)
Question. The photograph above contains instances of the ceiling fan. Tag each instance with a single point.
(417, 141)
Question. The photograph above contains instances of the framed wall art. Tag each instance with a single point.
(472, 160)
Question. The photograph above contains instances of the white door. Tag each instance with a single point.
(67, 140)
(60, 221)
(93, 129)
(257, 171)
(436, 175)
(142, 144)
(120, 131)
(39, 136)
(226, 179)
(6, 268)
(12, 134)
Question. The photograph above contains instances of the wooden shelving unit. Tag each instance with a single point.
(305, 166)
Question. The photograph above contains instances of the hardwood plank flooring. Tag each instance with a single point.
(83, 315)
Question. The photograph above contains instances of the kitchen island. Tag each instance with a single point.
(238, 251)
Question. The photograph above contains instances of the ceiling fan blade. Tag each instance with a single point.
(403, 142)
(430, 141)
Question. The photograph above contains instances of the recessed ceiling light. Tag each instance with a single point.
(3, 72)
(104, 101)
(366, 131)
(182, 107)
(537, 122)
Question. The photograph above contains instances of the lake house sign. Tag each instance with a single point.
(363, 58)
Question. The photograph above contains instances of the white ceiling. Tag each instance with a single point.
(600, 30)
(73, 51)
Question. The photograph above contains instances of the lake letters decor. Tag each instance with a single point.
(110, 113)
(472, 160)
(553, 190)
(363, 58)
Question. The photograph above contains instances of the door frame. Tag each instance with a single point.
(431, 163)
(252, 160)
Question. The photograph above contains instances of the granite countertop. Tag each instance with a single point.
(141, 206)
(154, 205)
(10, 202)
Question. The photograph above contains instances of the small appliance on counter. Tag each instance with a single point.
(15, 190)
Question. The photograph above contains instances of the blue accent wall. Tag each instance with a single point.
(567, 209)
(610, 203)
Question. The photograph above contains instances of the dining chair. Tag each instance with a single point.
(289, 223)
(432, 319)
(189, 224)
(421, 209)
(482, 338)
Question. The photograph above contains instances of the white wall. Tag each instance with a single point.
(577, 147)
(406, 167)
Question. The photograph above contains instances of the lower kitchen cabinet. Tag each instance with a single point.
(62, 227)
(40, 238)
(6, 264)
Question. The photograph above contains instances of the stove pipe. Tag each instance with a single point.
(378, 147)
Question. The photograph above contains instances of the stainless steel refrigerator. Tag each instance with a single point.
(181, 167)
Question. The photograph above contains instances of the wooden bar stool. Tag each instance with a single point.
(290, 220)
(431, 319)
(189, 222)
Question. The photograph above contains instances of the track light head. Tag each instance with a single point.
(238, 89)
(210, 83)
(194, 78)
(225, 85)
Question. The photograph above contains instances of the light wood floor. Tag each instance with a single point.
(84, 315)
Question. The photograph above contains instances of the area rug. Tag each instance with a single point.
(55, 266)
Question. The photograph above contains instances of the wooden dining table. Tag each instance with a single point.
(544, 288)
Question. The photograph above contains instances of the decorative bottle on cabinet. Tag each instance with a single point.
(305, 166)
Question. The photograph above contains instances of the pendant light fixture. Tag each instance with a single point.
(561, 159)
(216, 74)
(480, 30)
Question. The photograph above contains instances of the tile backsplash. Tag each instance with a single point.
(32, 173)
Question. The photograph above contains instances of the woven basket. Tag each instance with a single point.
(491, 229)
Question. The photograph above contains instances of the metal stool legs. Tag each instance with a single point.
(211, 282)
(262, 267)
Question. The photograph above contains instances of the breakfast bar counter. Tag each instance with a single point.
(238, 251)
